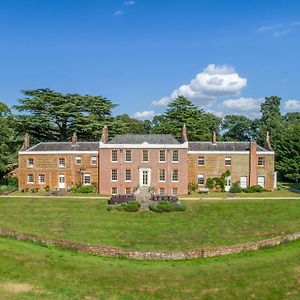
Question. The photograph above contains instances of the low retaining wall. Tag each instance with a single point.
(150, 255)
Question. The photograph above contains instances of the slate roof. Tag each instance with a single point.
(222, 146)
(65, 146)
(141, 138)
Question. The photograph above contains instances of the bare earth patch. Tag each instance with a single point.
(16, 287)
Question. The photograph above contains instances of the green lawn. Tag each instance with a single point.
(48, 273)
(205, 223)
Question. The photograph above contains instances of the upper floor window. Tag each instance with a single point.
(128, 175)
(145, 156)
(162, 155)
(114, 174)
(162, 175)
(175, 156)
(128, 156)
(30, 178)
(200, 160)
(261, 161)
(61, 162)
(227, 161)
(94, 160)
(30, 162)
(114, 155)
(175, 175)
(41, 178)
(78, 160)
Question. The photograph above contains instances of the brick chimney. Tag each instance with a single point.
(267, 142)
(214, 138)
(74, 139)
(26, 144)
(253, 164)
(184, 134)
(104, 137)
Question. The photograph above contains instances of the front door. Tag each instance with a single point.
(61, 181)
(228, 183)
(145, 175)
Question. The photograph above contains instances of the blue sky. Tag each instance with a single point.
(225, 55)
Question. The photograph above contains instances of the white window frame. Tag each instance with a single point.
(200, 158)
(114, 156)
(202, 176)
(162, 152)
(162, 191)
(30, 163)
(260, 182)
(175, 171)
(87, 175)
(94, 160)
(176, 152)
(114, 174)
(227, 159)
(42, 181)
(261, 159)
(128, 173)
(164, 175)
(145, 151)
(78, 161)
(116, 190)
(60, 165)
(174, 191)
(130, 154)
(30, 176)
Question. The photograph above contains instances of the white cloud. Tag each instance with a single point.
(243, 105)
(129, 2)
(278, 30)
(144, 115)
(118, 13)
(292, 105)
(213, 82)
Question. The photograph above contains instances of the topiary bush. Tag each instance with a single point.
(167, 206)
(254, 189)
(235, 188)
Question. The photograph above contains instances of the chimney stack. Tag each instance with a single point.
(74, 139)
(184, 134)
(267, 142)
(214, 138)
(104, 137)
(253, 164)
(26, 144)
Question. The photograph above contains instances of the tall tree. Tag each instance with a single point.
(239, 128)
(48, 115)
(199, 124)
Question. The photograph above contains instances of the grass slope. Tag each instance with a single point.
(205, 223)
(56, 274)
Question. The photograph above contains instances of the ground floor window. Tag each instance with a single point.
(161, 191)
(261, 181)
(127, 191)
(201, 179)
(41, 178)
(174, 191)
(86, 179)
(30, 178)
(243, 182)
(114, 191)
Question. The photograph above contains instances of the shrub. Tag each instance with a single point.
(130, 206)
(235, 188)
(192, 186)
(254, 189)
(84, 189)
(210, 183)
(167, 206)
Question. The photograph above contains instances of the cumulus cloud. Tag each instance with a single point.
(118, 13)
(213, 82)
(144, 115)
(243, 104)
(292, 105)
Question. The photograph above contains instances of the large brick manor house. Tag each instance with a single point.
(121, 164)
